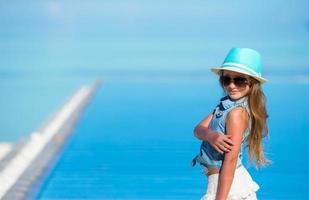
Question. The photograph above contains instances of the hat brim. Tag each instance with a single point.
(217, 70)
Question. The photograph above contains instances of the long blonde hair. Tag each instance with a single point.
(258, 122)
(258, 118)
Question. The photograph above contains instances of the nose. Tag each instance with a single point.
(231, 85)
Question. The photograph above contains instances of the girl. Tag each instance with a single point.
(239, 117)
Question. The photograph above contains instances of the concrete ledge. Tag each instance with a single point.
(5, 149)
(28, 161)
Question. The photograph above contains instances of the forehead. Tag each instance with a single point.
(233, 74)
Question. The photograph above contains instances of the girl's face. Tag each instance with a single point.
(235, 84)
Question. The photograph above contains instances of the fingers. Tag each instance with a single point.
(219, 150)
(224, 148)
(226, 145)
(222, 143)
(227, 140)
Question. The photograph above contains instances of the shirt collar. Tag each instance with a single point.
(227, 103)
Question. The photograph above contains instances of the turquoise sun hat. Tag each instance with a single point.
(243, 60)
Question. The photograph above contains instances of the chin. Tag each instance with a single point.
(235, 96)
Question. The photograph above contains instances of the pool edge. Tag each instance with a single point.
(25, 167)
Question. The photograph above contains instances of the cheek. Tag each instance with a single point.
(246, 90)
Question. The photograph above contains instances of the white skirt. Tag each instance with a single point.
(243, 187)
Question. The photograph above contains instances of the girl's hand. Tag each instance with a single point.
(222, 143)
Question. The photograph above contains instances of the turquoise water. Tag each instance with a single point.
(48, 49)
(135, 142)
(27, 102)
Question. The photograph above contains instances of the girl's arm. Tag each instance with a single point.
(222, 143)
(200, 131)
(236, 123)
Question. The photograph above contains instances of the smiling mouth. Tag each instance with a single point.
(233, 92)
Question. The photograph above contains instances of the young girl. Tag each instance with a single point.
(239, 120)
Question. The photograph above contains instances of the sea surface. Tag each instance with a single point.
(50, 48)
(135, 139)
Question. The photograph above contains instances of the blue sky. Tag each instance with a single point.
(101, 36)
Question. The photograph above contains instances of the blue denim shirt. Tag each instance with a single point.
(208, 156)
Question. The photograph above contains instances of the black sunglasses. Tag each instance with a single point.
(238, 81)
